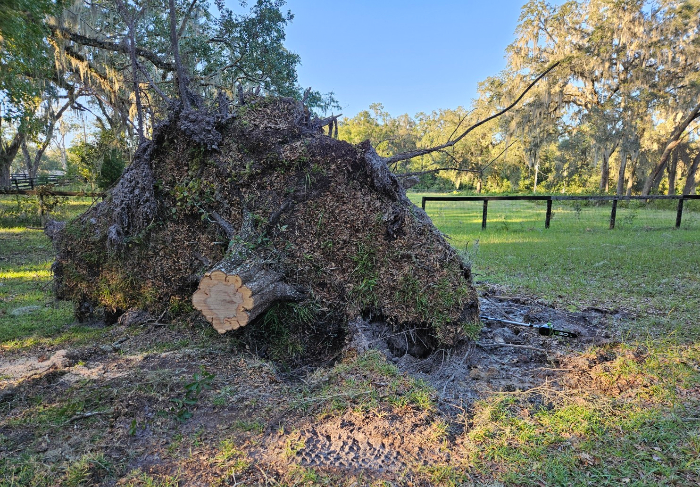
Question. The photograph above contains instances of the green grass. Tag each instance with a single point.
(635, 422)
(646, 434)
(644, 267)
(29, 315)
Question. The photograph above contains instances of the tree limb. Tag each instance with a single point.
(111, 46)
(185, 18)
(422, 152)
(429, 171)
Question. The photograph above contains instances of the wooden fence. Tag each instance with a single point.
(21, 182)
(550, 198)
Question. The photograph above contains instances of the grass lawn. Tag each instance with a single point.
(621, 414)
(645, 267)
(29, 315)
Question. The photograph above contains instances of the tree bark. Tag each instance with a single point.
(674, 140)
(240, 287)
(633, 169)
(7, 155)
(605, 169)
(690, 182)
(30, 163)
(621, 173)
(672, 171)
(182, 81)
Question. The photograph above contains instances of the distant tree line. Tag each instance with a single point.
(619, 114)
(121, 65)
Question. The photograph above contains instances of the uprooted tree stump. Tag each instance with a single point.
(272, 226)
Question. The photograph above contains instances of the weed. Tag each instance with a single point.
(366, 277)
(293, 445)
(88, 470)
(201, 381)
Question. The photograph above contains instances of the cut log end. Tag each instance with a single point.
(224, 301)
(230, 301)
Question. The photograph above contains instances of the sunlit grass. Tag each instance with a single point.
(634, 419)
(645, 267)
(29, 314)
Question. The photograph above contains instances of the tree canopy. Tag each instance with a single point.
(625, 95)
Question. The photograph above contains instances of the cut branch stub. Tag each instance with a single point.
(232, 300)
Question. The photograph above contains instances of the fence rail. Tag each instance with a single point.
(550, 198)
(21, 182)
(35, 192)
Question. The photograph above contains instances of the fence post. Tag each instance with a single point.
(548, 218)
(679, 213)
(613, 214)
(483, 216)
(422, 203)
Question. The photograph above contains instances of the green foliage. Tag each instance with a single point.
(111, 169)
(101, 162)
(23, 50)
(201, 381)
(365, 275)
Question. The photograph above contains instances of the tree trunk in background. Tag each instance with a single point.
(7, 155)
(537, 171)
(32, 164)
(621, 173)
(605, 168)
(633, 168)
(604, 173)
(656, 173)
(672, 170)
(690, 182)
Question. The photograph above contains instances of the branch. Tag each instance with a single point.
(183, 24)
(481, 170)
(422, 152)
(111, 46)
(160, 92)
(429, 171)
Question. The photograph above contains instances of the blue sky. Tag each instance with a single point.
(410, 56)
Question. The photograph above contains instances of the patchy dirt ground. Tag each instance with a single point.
(181, 406)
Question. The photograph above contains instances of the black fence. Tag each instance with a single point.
(22, 182)
(550, 198)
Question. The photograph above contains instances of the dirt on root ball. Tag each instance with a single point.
(327, 216)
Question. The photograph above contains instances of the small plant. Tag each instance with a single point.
(293, 445)
(201, 381)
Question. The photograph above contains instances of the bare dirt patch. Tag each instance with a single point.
(381, 416)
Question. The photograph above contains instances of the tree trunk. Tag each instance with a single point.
(633, 169)
(605, 168)
(7, 155)
(690, 182)
(31, 163)
(672, 170)
(537, 171)
(621, 173)
(657, 171)
(231, 296)
(604, 173)
(5, 163)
